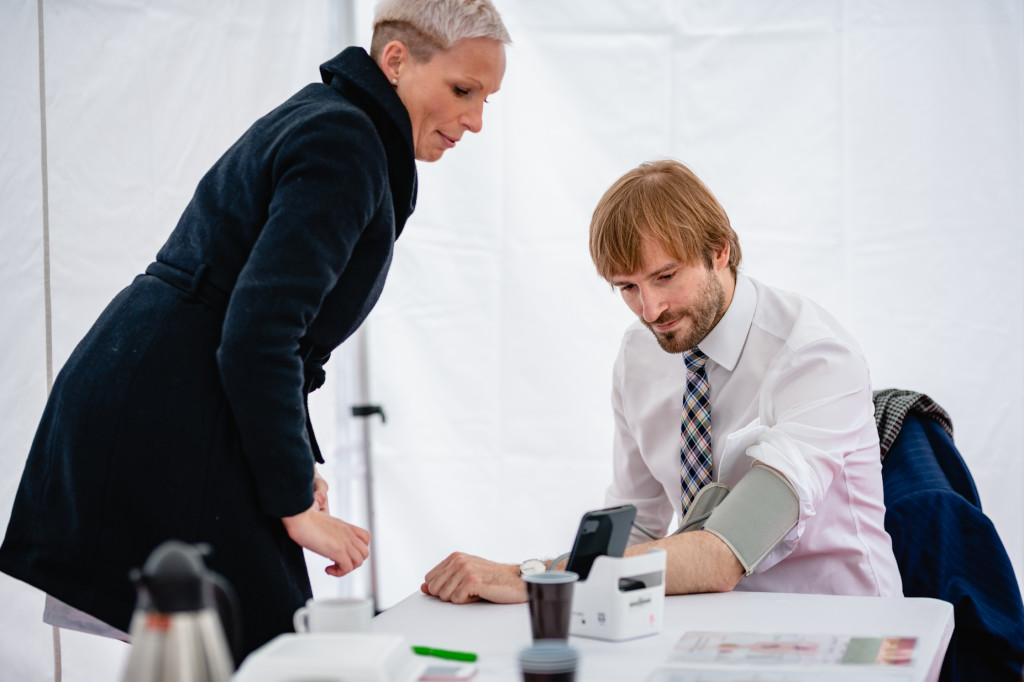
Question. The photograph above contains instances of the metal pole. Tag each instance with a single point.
(364, 410)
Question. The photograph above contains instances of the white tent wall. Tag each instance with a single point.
(870, 154)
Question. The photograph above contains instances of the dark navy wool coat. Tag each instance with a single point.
(182, 412)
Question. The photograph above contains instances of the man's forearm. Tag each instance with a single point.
(696, 562)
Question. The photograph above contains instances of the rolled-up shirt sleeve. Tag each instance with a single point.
(814, 411)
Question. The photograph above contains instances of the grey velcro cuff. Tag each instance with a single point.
(756, 515)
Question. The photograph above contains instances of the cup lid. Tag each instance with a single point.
(548, 656)
(552, 577)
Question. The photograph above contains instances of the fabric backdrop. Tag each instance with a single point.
(870, 154)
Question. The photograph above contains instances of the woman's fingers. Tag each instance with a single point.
(343, 543)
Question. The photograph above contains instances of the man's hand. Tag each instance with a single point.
(462, 578)
(344, 544)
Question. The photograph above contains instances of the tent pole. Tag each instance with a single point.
(363, 410)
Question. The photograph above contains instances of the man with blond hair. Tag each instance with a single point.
(743, 413)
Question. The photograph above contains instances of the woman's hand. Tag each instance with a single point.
(320, 492)
(316, 530)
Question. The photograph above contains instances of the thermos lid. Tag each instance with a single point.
(175, 578)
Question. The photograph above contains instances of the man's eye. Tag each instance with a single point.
(625, 287)
(667, 275)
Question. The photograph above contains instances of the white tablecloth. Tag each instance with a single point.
(497, 633)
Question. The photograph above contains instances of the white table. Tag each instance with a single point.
(497, 633)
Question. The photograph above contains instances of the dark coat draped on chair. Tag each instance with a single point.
(945, 546)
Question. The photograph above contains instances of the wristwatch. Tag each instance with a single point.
(532, 567)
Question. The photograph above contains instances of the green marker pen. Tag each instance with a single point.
(442, 653)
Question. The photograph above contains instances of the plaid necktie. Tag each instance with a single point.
(695, 451)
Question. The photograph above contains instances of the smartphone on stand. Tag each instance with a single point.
(601, 532)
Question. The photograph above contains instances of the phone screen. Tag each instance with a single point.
(601, 532)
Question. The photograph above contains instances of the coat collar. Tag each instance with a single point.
(357, 77)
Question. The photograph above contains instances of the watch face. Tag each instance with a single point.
(532, 567)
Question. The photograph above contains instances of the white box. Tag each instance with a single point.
(609, 605)
(332, 657)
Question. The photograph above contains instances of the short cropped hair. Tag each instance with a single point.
(427, 27)
(664, 201)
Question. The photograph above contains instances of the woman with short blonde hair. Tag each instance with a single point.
(183, 413)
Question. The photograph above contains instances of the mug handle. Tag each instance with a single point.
(301, 619)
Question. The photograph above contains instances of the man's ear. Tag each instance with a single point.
(721, 256)
(393, 58)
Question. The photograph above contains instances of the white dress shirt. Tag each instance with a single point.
(789, 388)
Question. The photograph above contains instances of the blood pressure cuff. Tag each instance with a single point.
(755, 515)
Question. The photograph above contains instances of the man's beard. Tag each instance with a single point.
(703, 317)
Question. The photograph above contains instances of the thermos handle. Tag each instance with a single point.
(227, 608)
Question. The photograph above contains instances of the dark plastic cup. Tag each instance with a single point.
(550, 597)
(548, 660)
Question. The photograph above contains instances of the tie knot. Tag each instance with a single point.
(694, 359)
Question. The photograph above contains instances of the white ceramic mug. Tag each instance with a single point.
(334, 615)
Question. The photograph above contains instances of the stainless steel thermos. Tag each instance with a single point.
(176, 630)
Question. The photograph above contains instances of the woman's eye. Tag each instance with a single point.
(460, 92)
(668, 275)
